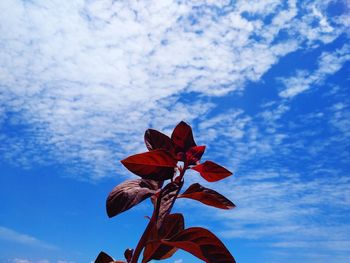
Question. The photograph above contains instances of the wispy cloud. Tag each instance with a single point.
(289, 188)
(21, 260)
(83, 79)
(328, 64)
(14, 236)
(80, 81)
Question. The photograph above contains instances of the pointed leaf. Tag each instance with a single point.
(168, 196)
(211, 171)
(104, 258)
(172, 224)
(156, 164)
(194, 154)
(207, 196)
(128, 254)
(182, 137)
(157, 140)
(129, 194)
(201, 243)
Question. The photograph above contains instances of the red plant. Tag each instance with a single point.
(166, 232)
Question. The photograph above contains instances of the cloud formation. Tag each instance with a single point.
(14, 236)
(21, 260)
(82, 79)
(328, 64)
(290, 185)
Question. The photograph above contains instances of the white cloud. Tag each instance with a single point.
(330, 244)
(82, 80)
(328, 64)
(258, 7)
(14, 236)
(341, 118)
(281, 209)
(289, 184)
(19, 260)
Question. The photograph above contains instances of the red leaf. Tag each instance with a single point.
(207, 196)
(211, 171)
(168, 196)
(172, 224)
(104, 258)
(182, 137)
(157, 140)
(128, 254)
(201, 243)
(129, 194)
(156, 164)
(194, 154)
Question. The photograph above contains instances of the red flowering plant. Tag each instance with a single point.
(161, 171)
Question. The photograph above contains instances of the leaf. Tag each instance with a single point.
(201, 243)
(157, 140)
(156, 164)
(207, 196)
(167, 195)
(194, 154)
(211, 171)
(104, 258)
(182, 137)
(129, 194)
(172, 224)
(128, 254)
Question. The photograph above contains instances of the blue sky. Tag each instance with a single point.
(264, 84)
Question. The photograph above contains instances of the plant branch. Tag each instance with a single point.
(142, 242)
(143, 239)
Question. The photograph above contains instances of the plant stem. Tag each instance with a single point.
(183, 170)
(144, 237)
(142, 242)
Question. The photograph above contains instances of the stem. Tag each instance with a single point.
(183, 170)
(182, 173)
(143, 239)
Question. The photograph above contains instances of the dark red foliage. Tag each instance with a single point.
(156, 140)
(211, 171)
(194, 154)
(105, 258)
(129, 194)
(182, 137)
(156, 164)
(165, 232)
(128, 254)
(201, 243)
(207, 196)
(168, 196)
(155, 249)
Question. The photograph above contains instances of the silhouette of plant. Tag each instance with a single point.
(169, 159)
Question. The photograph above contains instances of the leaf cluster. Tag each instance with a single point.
(161, 172)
